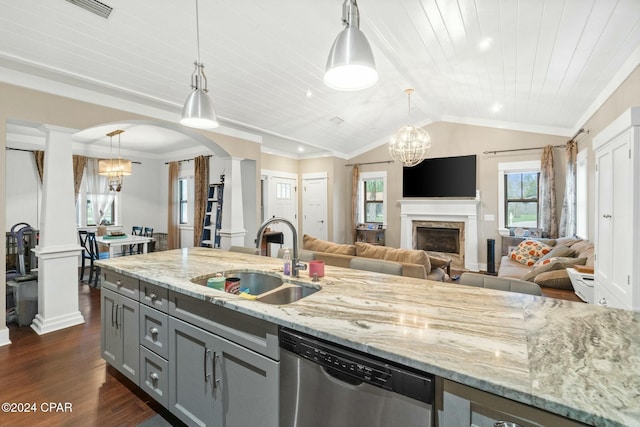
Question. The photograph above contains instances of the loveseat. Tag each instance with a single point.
(415, 263)
(544, 261)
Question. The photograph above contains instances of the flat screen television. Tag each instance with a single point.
(441, 177)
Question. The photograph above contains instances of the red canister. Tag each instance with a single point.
(232, 285)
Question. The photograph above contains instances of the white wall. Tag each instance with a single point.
(24, 191)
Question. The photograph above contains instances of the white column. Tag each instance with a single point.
(232, 232)
(58, 248)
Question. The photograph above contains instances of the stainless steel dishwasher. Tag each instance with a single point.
(325, 385)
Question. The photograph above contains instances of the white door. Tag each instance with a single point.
(314, 207)
(282, 202)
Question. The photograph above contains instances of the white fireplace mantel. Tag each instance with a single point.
(461, 210)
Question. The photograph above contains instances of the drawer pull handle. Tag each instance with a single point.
(153, 296)
(119, 282)
(603, 301)
(206, 354)
(215, 380)
(154, 331)
(154, 378)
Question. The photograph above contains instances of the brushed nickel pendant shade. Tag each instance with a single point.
(198, 111)
(350, 65)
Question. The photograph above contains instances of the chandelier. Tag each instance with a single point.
(116, 167)
(410, 145)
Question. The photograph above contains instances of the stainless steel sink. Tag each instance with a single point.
(268, 288)
(287, 295)
(255, 282)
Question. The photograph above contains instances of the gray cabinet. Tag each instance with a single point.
(215, 382)
(119, 338)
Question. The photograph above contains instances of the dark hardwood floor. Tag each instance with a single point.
(65, 367)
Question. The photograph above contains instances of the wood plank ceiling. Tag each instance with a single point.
(535, 65)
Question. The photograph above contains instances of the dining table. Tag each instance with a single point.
(114, 242)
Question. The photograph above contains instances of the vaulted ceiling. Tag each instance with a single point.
(535, 65)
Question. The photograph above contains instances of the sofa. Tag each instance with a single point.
(415, 263)
(544, 261)
(507, 284)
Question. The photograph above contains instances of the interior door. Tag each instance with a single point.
(314, 207)
(282, 202)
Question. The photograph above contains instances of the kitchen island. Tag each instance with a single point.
(576, 360)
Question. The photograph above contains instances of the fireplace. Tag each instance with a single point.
(441, 238)
(447, 228)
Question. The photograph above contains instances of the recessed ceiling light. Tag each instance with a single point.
(485, 43)
(300, 149)
(309, 94)
(496, 108)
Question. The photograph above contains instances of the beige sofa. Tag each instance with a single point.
(565, 252)
(415, 263)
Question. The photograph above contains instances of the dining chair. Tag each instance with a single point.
(91, 253)
(136, 230)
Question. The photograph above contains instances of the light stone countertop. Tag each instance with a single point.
(577, 360)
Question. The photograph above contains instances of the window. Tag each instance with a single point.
(373, 197)
(373, 200)
(283, 191)
(108, 218)
(521, 201)
(184, 200)
(518, 184)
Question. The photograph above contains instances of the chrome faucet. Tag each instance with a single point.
(296, 265)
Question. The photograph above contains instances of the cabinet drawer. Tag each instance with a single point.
(154, 296)
(154, 330)
(124, 285)
(154, 376)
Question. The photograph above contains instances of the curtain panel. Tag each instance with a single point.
(173, 233)
(355, 188)
(547, 216)
(568, 214)
(201, 185)
(79, 163)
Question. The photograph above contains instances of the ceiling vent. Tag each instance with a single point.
(93, 6)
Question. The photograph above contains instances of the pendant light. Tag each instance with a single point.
(410, 145)
(350, 65)
(114, 168)
(198, 111)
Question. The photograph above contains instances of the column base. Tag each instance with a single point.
(44, 326)
(4, 337)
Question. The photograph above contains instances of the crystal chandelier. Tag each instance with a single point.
(410, 145)
(116, 167)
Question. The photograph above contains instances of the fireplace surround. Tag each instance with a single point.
(444, 214)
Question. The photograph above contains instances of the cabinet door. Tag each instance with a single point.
(128, 322)
(111, 339)
(192, 386)
(621, 220)
(249, 384)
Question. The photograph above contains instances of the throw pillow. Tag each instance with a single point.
(557, 264)
(317, 245)
(411, 256)
(567, 261)
(529, 251)
(559, 251)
